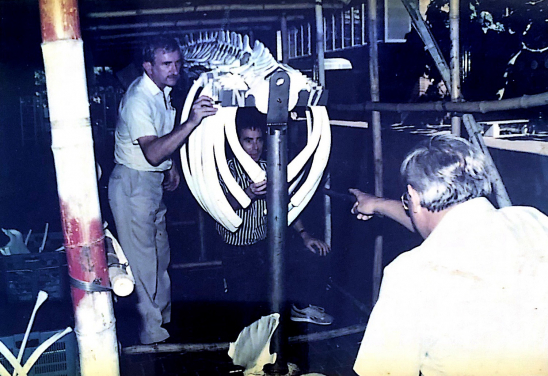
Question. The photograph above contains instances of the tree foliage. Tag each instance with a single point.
(504, 49)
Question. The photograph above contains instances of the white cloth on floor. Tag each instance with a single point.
(252, 347)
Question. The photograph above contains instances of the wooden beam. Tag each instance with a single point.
(210, 8)
(511, 143)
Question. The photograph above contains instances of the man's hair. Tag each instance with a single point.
(250, 118)
(161, 42)
(446, 170)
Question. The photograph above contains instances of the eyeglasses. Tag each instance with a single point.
(405, 200)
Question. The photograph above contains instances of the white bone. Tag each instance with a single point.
(216, 199)
(43, 347)
(41, 298)
(304, 155)
(231, 183)
(235, 65)
(320, 159)
(12, 361)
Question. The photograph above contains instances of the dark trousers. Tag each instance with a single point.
(246, 276)
(307, 276)
(246, 272)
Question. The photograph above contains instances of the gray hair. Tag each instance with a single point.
(158, 42)
(446, 170)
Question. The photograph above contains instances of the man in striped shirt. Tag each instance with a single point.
(245, 255)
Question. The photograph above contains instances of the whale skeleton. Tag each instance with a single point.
(233, 66)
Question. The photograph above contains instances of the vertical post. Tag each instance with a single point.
(285, 40)
(277, 201)
(320, 51)
(468, 120)
(320, 47)
(22, 119)
(201, 231)
(377, 140)
(455, 62)
(72, 147)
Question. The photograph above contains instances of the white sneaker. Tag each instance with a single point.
(312, 314)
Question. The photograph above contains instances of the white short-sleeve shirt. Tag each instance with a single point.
(472, 300)
(145, 110)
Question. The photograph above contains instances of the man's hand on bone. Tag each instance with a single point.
(256, 189)
(201, 108)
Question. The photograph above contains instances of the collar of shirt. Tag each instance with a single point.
(460, 215)
(154, 89)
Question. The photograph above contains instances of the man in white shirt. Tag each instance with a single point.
(472, 299)
(145, 139)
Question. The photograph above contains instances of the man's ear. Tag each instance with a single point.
(147, 66)
(415, 201)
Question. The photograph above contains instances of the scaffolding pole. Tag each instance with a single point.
(471, 126)
(377, 139)
(455, 62)
(320, 51)
(72, 147)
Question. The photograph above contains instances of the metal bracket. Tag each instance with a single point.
(278, 99)
(94, 286)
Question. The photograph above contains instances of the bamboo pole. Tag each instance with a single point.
(223, 346)
(320, 51)
(470, 123)
(72, 147)
(501, 195)
(377, 139)
(455, 62)
(428, 39)
(249, 7)
(320, 47)
(285, 39)
(526, 101)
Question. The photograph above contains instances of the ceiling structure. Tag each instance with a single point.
(114, 29)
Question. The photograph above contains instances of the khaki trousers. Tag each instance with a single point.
(135, 199)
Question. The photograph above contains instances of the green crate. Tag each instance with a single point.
(60, 359)
(23, 276)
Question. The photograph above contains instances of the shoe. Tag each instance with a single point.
(311, 314)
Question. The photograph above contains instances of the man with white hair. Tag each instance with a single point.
(472, 299)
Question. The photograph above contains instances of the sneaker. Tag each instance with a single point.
(311, 314)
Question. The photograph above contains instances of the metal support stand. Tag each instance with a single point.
(277, 202)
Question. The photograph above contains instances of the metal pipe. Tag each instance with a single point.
(455, 62)
(72, 147)
(377, 137)
(277, 202)
(277, 209)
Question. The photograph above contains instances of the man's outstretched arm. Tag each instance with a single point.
(366, 206)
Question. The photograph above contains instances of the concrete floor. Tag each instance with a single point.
(330, 350)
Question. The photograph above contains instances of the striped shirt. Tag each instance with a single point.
(253, 227)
